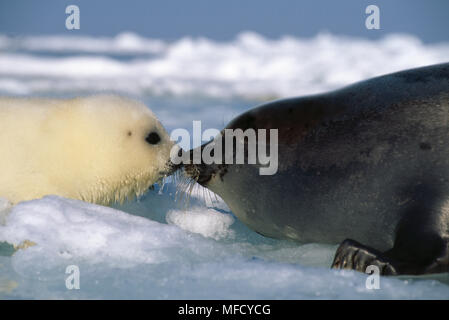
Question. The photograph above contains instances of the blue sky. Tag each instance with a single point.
(222, 20)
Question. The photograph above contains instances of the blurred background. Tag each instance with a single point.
(210, 60)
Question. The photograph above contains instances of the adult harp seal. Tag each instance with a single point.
(366, 166)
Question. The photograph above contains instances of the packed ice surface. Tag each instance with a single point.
(211, 255)
(249, 66)
(159, 246)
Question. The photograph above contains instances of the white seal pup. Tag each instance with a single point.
(100, 149)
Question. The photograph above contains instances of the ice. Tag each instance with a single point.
(207, 222)
(123, 43)
(249, 66)
(210, 256)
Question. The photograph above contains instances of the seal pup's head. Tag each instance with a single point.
(100, 148)
(122, 146)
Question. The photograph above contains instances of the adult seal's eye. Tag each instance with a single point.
(153, 138)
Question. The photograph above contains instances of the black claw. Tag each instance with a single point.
(353, 255)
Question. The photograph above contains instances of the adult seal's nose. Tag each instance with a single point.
(196, 168)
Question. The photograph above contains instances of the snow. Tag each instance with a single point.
(212, 255)
(249, 66)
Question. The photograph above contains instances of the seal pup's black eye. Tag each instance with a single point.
(153, 138)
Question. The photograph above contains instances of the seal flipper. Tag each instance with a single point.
(353, 255)
(430, 256)
(421, 243)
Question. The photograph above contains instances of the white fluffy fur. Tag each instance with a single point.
(90, 148)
